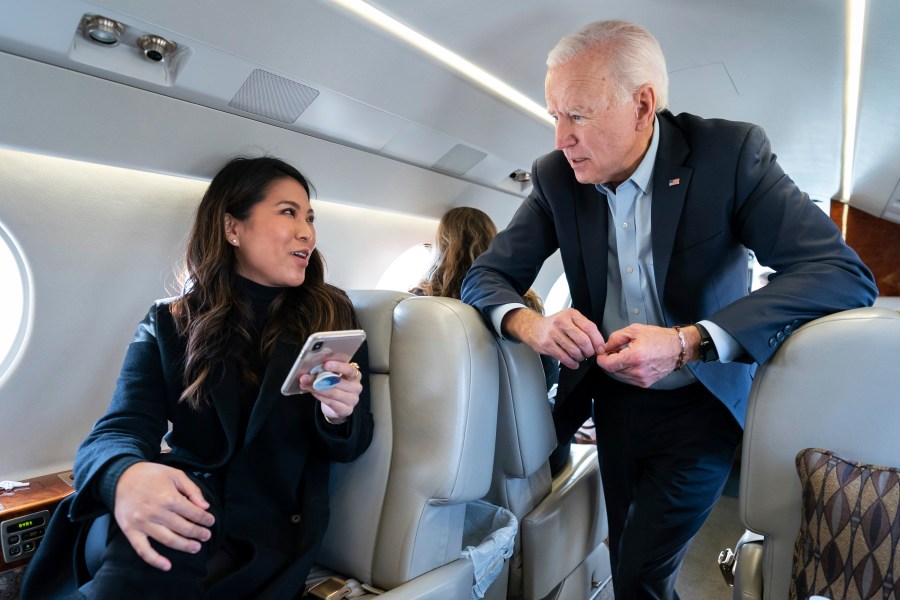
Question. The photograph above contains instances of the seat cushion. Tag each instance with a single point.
(850, 529)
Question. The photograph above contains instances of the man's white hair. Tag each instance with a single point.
(634, 57)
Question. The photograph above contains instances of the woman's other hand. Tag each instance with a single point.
(160, 502)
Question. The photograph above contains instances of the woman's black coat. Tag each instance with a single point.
(274, 479)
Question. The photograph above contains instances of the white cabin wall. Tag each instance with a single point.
(98, 183)
(359, 244)
(100, 248)
(50, 110)
(101, 244)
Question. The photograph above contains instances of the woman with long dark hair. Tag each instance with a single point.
(238, 504)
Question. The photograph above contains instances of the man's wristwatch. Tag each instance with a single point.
(708, 352)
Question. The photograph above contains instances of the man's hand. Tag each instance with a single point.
(159, 502)
(643, 354)
(567, 336)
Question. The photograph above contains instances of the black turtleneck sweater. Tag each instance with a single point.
(261, 298)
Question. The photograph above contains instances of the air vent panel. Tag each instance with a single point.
(274, 97)
(459, 159)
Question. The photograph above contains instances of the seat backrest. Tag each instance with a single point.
(562, 520)
(525, 434)
(525, 439)
(398, 511)
(832, 385)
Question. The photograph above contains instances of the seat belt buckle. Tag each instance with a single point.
(333, 588)
(726, 565)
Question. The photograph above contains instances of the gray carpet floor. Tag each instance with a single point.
(699, 578)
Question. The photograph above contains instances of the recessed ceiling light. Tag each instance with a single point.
(102, 31)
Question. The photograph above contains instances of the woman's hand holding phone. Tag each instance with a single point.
(323, 369)
(338, 401)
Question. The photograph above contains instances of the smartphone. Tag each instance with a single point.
(319, 347)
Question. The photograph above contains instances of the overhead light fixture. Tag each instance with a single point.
(517, 182)
(101, 30)
(155, 48)
(855, 11)
(520, 176)
(448, 57)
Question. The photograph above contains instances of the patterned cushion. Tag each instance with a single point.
(850, 529)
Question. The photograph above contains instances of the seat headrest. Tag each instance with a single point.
(375, 309)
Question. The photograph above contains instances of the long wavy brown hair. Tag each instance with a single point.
(217, 321)
(463, 233)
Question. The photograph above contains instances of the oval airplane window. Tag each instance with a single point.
(14, 314)
(407, 269)
(558, 298)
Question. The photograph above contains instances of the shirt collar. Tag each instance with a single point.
(641, 175)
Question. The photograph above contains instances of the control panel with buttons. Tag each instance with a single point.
(25, 512)
(22, 535)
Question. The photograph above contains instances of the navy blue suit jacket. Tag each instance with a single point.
(717, 190)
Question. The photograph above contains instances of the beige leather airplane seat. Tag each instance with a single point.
(832, 385)
(398, 512)
(559, 551)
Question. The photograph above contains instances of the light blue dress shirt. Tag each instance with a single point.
(631, 294)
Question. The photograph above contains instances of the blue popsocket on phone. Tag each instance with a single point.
(319, 348)
(325, 380)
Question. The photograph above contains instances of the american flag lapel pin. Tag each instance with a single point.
(675, 181)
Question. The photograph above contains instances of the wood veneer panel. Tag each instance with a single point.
(877, 241)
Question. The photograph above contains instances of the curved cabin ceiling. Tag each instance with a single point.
(775, 63)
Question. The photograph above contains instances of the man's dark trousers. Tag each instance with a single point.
(665, 456)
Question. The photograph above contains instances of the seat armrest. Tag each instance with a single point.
(448, 582)
(567, 526)
(748, 567)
